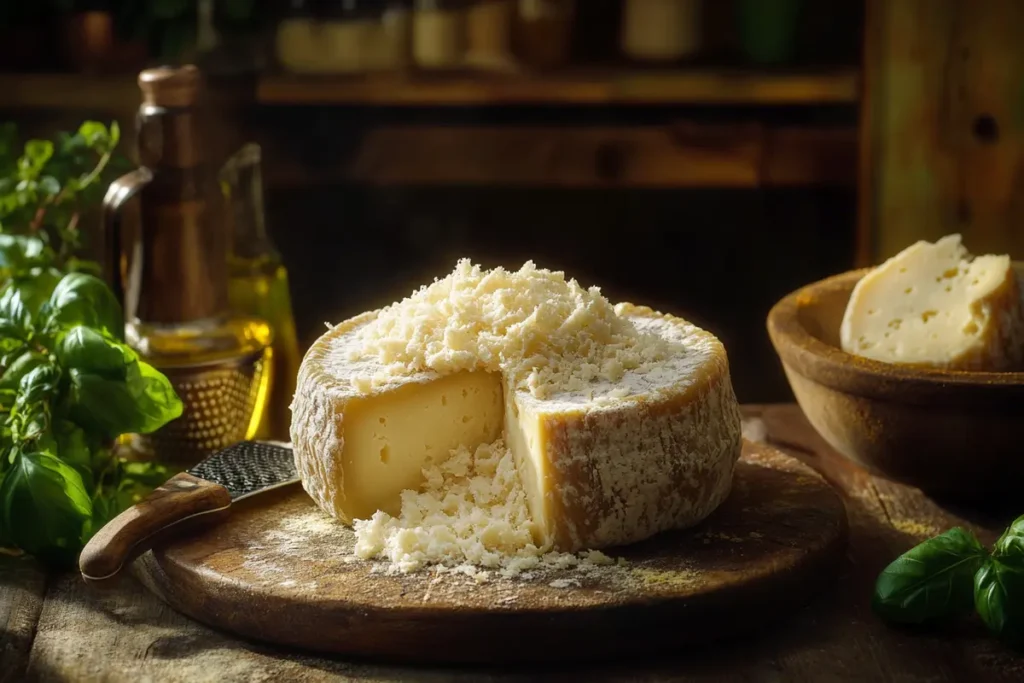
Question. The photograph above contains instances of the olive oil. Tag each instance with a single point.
(258, 283)
(259, 287)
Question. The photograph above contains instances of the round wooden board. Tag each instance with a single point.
(281, 571)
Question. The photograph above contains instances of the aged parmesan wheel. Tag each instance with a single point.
(615, 442)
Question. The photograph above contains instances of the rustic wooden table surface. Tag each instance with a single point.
(55, 628)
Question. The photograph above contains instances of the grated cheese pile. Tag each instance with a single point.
(471, 513)
(535, 327)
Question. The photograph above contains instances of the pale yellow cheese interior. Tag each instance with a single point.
(390, 437)
(525, 439)
(935, 304)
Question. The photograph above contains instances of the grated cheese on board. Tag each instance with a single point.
(471, 514)
(538, 329)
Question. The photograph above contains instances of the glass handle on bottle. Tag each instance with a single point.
(118, 194)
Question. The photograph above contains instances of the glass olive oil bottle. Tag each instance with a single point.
(258, 283)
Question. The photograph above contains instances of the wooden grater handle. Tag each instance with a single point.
(182, 498)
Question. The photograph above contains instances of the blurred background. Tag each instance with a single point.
(701, 157)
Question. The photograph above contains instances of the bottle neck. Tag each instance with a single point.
(169, 137)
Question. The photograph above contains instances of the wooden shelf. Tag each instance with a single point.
(582, 87)
(68, 91)
(578, 87)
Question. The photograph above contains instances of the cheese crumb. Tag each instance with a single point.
(471, 514)
(534, 326)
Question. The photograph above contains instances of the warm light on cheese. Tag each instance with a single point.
(621, 422)
(390, 437)
(936, 305)
(535, 327)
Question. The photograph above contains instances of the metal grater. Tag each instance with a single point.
(250, 467)
(222, 406)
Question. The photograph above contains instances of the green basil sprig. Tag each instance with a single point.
(949, 574)
(69, 386)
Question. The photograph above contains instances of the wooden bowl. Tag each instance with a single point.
(956, 435)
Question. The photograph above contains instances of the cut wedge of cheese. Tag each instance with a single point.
(603, 463)
(933, 304)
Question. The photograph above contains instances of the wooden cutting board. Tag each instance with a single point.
(281, 571)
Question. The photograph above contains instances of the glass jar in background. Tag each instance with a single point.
(345, 36)
(396, 35)
(661, 30)
(294, 39)
(348, 35)
(439, 34)
(489, 35)
(543, 32)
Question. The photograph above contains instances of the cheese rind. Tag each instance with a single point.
(935, 305)
(599, 468)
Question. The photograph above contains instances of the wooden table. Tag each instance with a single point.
(57, 628)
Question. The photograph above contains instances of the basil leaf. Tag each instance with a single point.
(34, 288)
(83, 299)
(12, 337)
(85, 349)
(146, 473)
(154, 396)
(46, 507)
(22, 365)
(73, 447)
(142, 402)
(19, 253)
(931, 580)
(15, 313)
(1011, 543)
(999, 597)
(39, 384)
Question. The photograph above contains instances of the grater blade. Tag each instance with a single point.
(249, 467)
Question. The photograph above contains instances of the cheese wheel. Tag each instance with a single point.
(611, 463)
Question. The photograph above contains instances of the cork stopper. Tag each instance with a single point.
(167, 86)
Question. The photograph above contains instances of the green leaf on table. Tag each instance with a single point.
(931, 580)
(1011, 543)
(83, 299)
(44, 506)
(999, 596)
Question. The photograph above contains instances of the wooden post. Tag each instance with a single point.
(943, 125)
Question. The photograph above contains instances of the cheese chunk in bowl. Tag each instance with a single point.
(937, 305)
(928, 420)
